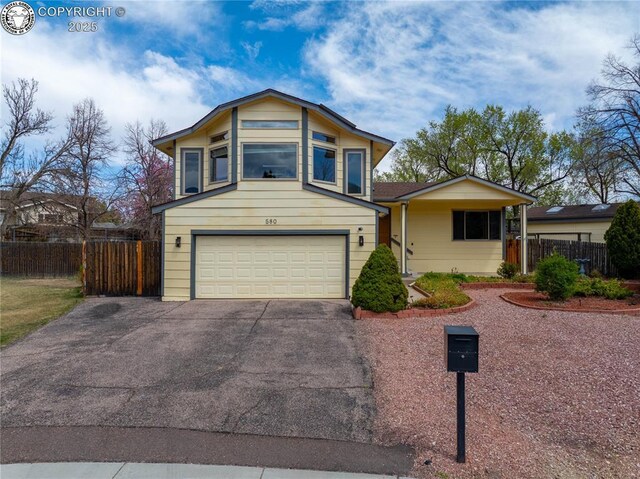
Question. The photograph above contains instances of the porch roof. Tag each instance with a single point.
(397, 192)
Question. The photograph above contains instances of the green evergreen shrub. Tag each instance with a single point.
(623, 240)
(379, 287)
(610, 289)
(508, 270)
(556, 276)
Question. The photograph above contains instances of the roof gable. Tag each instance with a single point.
(319, 108)
(407, 191)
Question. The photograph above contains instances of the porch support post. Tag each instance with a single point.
(403, 240)
(523, 239)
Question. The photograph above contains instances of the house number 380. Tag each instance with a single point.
(270, 221)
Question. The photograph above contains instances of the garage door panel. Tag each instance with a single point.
(270, 266)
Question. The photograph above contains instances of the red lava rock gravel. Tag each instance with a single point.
(540, 300)
(557, 395)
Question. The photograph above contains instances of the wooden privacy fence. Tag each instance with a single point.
(122, 268)
(113, 268)
(40, 259)
(538, 249)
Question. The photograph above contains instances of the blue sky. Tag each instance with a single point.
(390, 67)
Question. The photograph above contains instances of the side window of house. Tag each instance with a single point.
(219, 164)
(477, 225)
(324, 164)
(191, 171)
(355, 172)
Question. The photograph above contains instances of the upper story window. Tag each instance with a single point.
(275, 124)
(219, 164)
(355, 172)
(477, 225)
(316, 135)
(191, 170)
(220, 137)
(269, 160)
(324, 164)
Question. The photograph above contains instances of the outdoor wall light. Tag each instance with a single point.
(178, 241)
(361, 240)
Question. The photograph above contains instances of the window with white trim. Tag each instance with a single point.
(477, 225)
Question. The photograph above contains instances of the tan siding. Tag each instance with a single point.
(429, 235)
(272, 109)
(596, 228)
(469, 190)
(250, 209)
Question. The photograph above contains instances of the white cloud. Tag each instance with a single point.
(284, 14)
(180, 18)
(229, 79)
(125, 86)
(392, 67)
(252, 49)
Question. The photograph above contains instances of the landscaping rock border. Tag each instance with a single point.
(495, 285)
(632, 311)
(359, 313)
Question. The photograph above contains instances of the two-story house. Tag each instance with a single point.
(273, 200)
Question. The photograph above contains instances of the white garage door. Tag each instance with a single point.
(270, 267)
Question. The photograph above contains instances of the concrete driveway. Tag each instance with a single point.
(277, 368)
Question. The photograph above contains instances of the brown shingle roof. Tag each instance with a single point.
(394, 189)
(573, 212)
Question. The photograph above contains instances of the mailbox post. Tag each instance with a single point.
(461, 347)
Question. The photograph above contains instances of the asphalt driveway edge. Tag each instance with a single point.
(125, 444)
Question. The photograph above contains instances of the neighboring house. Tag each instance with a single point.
(273, 200)
(456, 225)
(52, 217)
(571, 222)
(36, 215)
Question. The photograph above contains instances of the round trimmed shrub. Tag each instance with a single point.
(379, 287)
(623, 240)
(557, 277)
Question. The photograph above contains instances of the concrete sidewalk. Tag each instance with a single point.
(129, 470)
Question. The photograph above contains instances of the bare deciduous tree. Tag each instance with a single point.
(147, 176)
(20, 171)
(616, 109)
(84, 177)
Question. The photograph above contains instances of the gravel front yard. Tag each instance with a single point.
(557, 395)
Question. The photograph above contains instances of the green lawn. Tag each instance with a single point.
(27, 304)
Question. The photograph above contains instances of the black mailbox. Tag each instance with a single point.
(461, 345)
